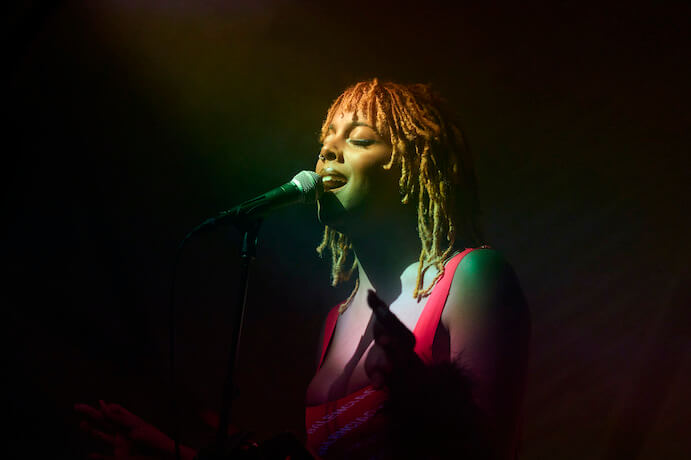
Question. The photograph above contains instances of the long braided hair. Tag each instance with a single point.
(436, 173)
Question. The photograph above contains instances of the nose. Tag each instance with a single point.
(329, 153)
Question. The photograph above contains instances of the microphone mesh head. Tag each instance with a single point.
(310, 184)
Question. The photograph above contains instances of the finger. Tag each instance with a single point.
(393, 337)
(375, 302)
(384, 315)
(113, 407)
(97, 434)
(119, 410)
(89, 411)
(118, 414)
(381, 310)
(389, 332)
(95, 416)
(377, 366)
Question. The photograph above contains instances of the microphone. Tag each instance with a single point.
(305, 187)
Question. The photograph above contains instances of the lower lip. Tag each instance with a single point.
(339, 185)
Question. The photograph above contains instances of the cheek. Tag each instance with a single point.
(376, 193)
(381, 183)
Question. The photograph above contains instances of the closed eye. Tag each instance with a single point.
(361, 142)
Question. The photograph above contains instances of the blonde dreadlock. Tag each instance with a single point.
(436, 170)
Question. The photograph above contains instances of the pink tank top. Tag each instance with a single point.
(352, 427)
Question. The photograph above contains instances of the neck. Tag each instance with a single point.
(387, 263)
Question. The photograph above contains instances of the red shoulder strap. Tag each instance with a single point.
(329, 327)
(427, 324)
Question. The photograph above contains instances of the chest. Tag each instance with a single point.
(343, 369)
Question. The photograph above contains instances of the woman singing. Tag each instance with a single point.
(401, 211)
(427, 356)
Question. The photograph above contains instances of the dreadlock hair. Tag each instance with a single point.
(436, 173)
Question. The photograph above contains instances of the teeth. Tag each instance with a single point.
(334, 181)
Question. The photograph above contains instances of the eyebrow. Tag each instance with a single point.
(353, 124)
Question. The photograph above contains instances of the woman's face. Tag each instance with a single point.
(351, 164)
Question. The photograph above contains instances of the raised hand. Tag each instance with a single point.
(393, 358)
(126, 436)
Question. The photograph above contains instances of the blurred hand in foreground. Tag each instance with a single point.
(125, 436)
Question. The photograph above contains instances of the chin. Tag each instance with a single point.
(330, 211)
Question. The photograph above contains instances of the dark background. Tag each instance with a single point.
(127, 123)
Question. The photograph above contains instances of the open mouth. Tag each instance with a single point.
(333, 182)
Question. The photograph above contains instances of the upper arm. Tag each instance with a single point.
(485, 305)
(489, 328)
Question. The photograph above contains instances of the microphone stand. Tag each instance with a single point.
(220, 449)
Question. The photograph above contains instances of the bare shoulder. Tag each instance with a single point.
(485, 284)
